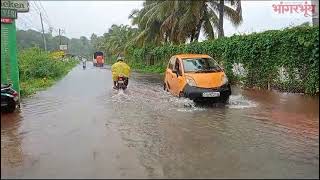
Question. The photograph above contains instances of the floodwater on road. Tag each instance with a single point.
(82, 128)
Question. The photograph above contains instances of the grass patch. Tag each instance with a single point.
(40, 70)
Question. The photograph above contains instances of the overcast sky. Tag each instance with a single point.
(82, 18)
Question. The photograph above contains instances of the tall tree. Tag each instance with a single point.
(220, 23)
(31, 38)
(116, 39)
(177, 21)
(235, 15)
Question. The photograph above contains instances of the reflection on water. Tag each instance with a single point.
(11, 137)
(257, 134)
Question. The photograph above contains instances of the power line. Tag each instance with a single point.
(37, 8)
(44, 37)
(45, 12)
(26, 25)
(26, 21)
(40, 9)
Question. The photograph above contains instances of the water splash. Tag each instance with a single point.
(240, 102)
(120, 96)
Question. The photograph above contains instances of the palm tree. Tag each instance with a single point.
(117, 38)
(148, 21)
(177, 21)
(234, 15)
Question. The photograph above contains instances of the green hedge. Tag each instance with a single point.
(38, 70)
(261, 54)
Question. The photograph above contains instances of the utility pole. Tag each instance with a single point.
(59, 37)
(44, 38)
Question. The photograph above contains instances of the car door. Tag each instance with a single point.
(181, 79)
(169, 74)
(176, 79)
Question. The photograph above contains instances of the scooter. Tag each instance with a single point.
(122, 82)
(9, 98)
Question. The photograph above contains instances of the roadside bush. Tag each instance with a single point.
(57, 54)
(261, 55)
(39, 69)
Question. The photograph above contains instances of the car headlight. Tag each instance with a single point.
(191, 82)
(224, 79)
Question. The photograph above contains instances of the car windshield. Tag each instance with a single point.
(199, 65)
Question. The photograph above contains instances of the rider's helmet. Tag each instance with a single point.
(120, 59)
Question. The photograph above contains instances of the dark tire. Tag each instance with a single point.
(224, 100)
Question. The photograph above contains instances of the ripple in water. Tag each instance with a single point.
(240, 102)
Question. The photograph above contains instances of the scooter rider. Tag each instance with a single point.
(84, 62)
(118, 68)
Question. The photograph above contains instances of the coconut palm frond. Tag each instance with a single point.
(207, 27)
(234, 17)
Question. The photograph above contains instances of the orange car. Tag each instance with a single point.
(198, 77)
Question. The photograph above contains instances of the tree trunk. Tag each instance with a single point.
(220, 23)
(198, 29)
(165, 37)
(192, 37)
(199, 25)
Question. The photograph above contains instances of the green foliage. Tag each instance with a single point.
(31, 38)
(262, 54)
(115, 41)
(38, 69)
(180, 21)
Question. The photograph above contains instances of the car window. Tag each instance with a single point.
(171, 63)
(201, 65)
(177, 66)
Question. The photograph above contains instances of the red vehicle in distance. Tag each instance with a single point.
(98, 59)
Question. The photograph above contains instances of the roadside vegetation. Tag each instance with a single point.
(31, 38)
(285, 60)
(39, 69)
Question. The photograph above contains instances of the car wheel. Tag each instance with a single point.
(225, 99)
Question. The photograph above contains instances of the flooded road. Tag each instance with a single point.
(82, 128)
